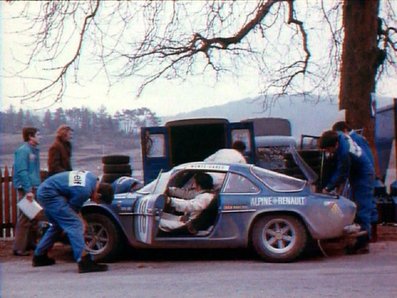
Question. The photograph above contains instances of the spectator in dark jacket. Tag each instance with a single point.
(60, 152)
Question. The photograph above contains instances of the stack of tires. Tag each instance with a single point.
(115, 166)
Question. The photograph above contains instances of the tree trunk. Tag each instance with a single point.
(359, 65)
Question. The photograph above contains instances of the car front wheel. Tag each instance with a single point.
(102, 239)
(279, 238)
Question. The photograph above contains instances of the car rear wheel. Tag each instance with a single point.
(102, 238)
(279, 238)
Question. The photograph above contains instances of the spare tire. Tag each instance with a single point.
(116, 159)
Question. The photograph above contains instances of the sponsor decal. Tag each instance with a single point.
(235, 207)
(208, 167)
(77, 178)
(270, 201)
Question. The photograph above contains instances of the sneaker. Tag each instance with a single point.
(87, 265)
(42, 260)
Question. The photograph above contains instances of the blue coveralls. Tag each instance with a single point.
(62, 196)
(126, 184)
(353, 163)
(363, 143)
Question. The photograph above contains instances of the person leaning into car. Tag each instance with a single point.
(26, 179)
(343, 127)
(352, 163)
(191, 207)
(62, 196)
(60, 152)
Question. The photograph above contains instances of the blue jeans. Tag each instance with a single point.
(63, 218)
(363, 195)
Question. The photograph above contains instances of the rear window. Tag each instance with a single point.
(278, 182)
(239, 184)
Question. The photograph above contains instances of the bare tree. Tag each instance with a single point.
(284, 41)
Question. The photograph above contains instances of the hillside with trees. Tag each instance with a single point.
(96, 133)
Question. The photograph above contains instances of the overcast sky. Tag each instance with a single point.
(163, 97)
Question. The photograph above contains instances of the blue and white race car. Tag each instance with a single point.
(275, 213)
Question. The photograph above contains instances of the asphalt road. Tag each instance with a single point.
(223, 273)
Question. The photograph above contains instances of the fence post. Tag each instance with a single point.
(7, 202)
(14, 208)
(1, 204)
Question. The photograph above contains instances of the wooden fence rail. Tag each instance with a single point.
(8, 204)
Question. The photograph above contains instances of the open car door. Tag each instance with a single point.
(155, 152)
(243, 131)
(147, 217)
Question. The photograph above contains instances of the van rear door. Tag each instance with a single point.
(155, 151)
(243, 131)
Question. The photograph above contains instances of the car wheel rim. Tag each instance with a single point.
(96, 238)
(278, 236)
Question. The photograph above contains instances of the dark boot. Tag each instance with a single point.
(360, 247)
(42, 260)
(88, 265)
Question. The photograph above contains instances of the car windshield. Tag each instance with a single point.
(156, 186)
(278, 182)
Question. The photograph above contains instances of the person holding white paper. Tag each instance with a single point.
(26, 179)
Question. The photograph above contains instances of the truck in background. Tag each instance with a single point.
(187, 140)
(180, 141)
(273, 139)
(385, 135)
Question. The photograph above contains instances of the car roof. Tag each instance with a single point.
(212, 166)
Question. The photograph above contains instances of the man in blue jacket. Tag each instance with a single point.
(343, 127)
(62, 196)
(352, 163)
(26, 179)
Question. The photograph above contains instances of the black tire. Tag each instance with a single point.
(110, 178)
(102, 239)
(115, 159)
(279, 238)
(117, 168)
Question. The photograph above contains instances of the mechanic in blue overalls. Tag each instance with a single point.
(62, 196)
(352, 163)
(342, 126)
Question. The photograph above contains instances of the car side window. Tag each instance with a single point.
(239, 184)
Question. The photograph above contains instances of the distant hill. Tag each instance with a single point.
(307, 115)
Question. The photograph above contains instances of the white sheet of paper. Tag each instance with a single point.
(30, 209)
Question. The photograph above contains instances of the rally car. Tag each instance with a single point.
(275, 213)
